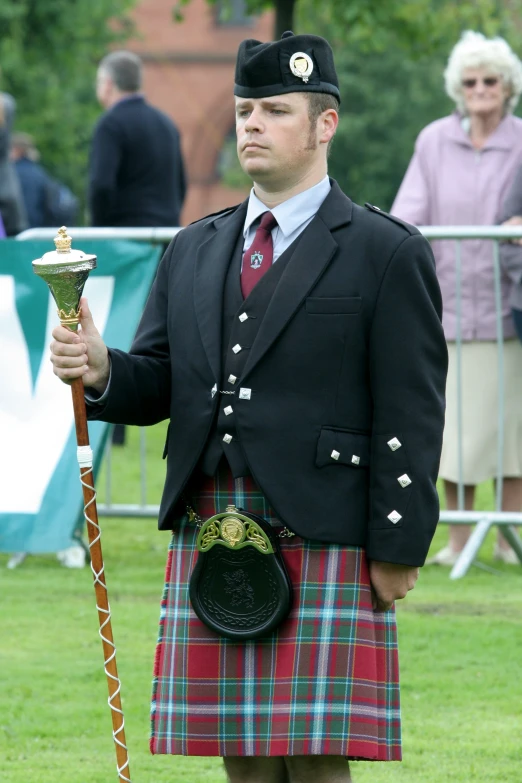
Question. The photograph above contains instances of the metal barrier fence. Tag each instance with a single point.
(483, 520)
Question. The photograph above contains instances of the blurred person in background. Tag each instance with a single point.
(12, 208)
(48, 202)
(460, 174)
(136, 170)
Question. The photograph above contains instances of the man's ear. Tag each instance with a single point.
(329, 121)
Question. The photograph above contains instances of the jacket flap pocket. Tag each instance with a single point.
(342, 447)
(337, 305)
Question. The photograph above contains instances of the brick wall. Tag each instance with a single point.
(189, 74)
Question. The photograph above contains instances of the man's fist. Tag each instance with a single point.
(81, 354)
(390, 581)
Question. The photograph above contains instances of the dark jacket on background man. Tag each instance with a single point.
(136, 172)
(341, 365)
(48, 202)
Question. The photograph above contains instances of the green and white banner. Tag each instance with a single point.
(40, 492)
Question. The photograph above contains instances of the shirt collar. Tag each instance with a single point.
(291, 213)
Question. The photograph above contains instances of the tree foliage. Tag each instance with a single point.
(391, 89)
(49, 50)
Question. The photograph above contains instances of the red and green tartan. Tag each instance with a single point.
(325, 683)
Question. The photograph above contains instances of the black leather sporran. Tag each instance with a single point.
(240, 586)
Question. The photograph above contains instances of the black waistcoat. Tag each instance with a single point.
(240, 325)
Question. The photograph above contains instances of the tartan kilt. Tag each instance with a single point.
(326, 682)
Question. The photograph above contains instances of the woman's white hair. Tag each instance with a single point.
(474, 50)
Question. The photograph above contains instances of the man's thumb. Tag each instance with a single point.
(86, 321)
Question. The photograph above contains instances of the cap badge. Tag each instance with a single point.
(301, 65)
(256, 259)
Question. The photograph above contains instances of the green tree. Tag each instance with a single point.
(421, 25)
(391, 89)
(48, 55)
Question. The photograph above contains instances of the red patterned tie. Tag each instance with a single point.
(258, 258)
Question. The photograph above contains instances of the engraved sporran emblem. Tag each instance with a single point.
(256, 259)
(232, 530)
(239, 588)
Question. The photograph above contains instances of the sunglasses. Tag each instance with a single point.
(487, 81)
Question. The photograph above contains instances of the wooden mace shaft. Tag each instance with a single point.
(102, 599)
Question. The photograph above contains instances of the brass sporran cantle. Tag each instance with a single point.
(240, 587)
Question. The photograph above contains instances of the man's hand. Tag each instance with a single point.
(516, 220)
(81, 354)
(390, 581)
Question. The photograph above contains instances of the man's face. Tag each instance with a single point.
(274, 139)
(103, 87)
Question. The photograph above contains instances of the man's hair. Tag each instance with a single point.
(317, 103)
(124, 68)
(25, 143)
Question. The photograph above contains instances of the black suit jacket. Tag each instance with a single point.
(349, 356)
(136, 171)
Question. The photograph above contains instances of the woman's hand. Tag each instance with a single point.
(516, 220)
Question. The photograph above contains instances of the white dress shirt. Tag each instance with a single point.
(292, 216)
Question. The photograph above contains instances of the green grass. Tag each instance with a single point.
(461, 646)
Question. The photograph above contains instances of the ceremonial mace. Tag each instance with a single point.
(65, 271)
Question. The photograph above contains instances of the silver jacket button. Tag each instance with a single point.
(236, 348)
(228, 410)
(394, 517)
(335, 454)
(227, 438)
(394, 444)
(243, 317)
(404, 480)
(245, 394)
(355, 459)
(232, 378)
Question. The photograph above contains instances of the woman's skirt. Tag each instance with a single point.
(326, 682)
(480, 425)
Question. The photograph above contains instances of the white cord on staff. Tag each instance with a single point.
(84, 454)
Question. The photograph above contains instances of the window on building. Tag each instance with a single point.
(233, 13)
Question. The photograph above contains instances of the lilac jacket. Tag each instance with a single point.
(448, 182)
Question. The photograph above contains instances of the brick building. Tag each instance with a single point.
(189, 74)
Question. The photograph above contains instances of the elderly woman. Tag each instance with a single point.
(461, 171)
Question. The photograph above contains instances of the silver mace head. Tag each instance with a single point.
(65, 271)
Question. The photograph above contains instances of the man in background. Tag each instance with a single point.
(12, 211)
(136, 172)
(48, 203)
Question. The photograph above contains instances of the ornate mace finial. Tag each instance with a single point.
(65, 271)
(63, 241)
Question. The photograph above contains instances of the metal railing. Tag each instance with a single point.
(156, 236)
(483, 520)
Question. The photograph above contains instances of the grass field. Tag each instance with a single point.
(461, 647)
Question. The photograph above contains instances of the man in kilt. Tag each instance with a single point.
(295, 344)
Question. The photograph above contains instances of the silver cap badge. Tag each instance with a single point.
(301, 65)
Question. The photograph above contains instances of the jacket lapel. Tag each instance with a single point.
(212, 261)
(314, 250)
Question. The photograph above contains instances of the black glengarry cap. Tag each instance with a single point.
(296, 63)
